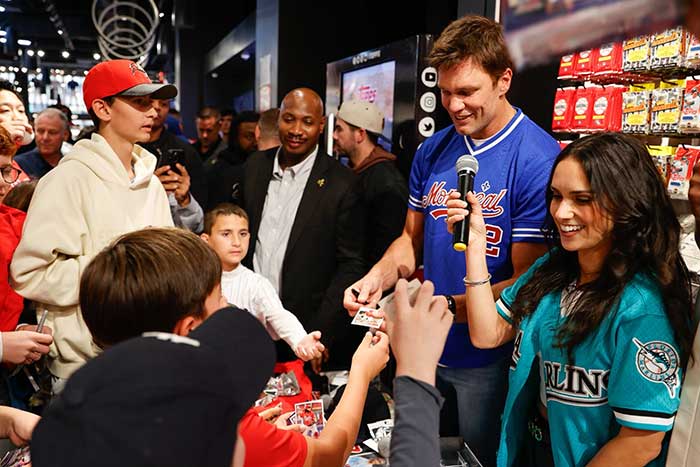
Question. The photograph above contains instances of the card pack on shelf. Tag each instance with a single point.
(607, 108)
(567, 66)
(667, 49)
(692, 55)
(583, 109)
(635, 109)
(608, 60)
(563, 109)
(584, 63)
(635, 54)
(666, 103)
(682, 170)
(690, 115)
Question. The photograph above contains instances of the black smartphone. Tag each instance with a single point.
(172, 157)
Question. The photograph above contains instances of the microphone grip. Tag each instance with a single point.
(460, 235)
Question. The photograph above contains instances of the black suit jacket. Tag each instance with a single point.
(325, 251)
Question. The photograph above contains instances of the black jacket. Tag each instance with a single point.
(325, 249)
(385, 194)
(193, 163)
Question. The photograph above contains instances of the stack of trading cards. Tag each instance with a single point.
(17, 458)
(310, 414)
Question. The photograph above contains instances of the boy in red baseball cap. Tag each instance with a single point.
(102, 189)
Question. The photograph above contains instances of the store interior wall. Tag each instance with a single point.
(311, 34)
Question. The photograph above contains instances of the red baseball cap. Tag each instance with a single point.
(122, 78)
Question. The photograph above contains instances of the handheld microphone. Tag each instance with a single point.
(467, 166)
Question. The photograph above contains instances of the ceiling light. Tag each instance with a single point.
(40, 53)
(30, 52)
(85, 72)
(245, 55)
(214, 75)
(2, 68)
(96, 56)
(2, 9)
(3, 33)
(19, 52)
(3, 40)
(161, 14)
(60, 32)
(18, 89)
(24, 69)
(24, 42)
(65, 54)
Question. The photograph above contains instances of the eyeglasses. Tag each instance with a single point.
(10, 174)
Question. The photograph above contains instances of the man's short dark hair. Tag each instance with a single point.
(209, 112)
(268, 123)
(223, 209)
(147, 280)
(472, 37)
(247, 116)
(228, 112)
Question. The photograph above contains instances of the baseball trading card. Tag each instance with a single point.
(310, 414)
(363, 319)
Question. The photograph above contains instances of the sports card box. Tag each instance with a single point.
(635, 53)
(690, 115)
(563, 109)
(666, 106)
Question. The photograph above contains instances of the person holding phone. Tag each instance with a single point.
(185, 184)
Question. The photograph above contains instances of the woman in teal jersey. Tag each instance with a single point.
(601, 323)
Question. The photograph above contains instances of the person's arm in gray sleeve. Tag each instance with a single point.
(415, 439)
(417, 329)
(190, 217)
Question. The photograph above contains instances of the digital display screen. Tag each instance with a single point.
(374, 84)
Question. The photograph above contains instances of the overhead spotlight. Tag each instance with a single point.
(214, 75)
(18, 89)
(245, 55)
(24, 42)
(23, 69)
(30, 52)
(2, 9)
(96, 56)
(20, 52)
(161, 14)
(38, 70)
(65, 54)
(3, 40)
(3, 33)
(2, 68)
(40, 53)
(60, 32)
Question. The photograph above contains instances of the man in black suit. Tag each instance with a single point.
(306, 225)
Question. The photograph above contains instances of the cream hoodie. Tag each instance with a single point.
(78, 208)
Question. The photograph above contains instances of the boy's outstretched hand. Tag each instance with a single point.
(418, 331)
(310, 347)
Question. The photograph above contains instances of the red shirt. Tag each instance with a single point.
(267, 445)
(11, 304)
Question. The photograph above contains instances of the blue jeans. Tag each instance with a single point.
(480, 395)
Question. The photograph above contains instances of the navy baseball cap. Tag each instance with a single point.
(160, 400)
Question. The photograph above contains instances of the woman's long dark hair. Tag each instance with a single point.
(645, 239)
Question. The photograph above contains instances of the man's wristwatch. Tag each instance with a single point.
(451, 304)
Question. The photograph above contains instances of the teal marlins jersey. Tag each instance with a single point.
(626, 373)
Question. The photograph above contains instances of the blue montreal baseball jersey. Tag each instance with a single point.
(514, 168)
(626, 373)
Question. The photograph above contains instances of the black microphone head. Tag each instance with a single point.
(467, 163)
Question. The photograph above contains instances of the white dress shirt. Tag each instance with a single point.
(281, 203)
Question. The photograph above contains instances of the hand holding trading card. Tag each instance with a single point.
(418, 332)
(365, 292)
(364, 317)
(310, 347)
(371, 356)
(310, 414)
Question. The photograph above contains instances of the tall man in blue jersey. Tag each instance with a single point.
(515, 159)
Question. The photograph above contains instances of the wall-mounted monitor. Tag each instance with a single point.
(375, 84)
